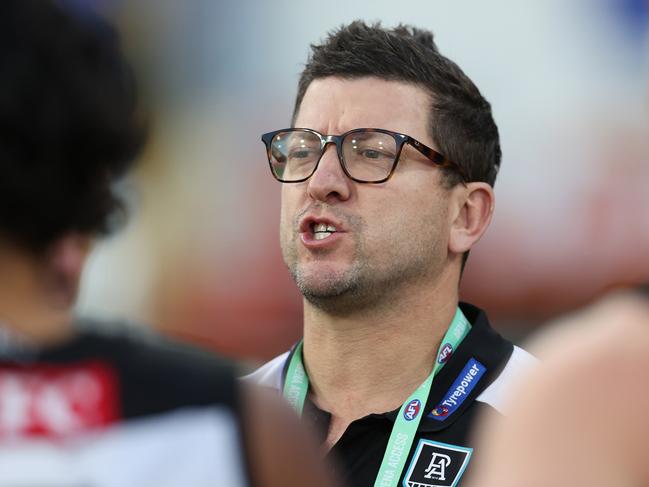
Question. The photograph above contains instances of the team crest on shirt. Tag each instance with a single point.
(436, 464)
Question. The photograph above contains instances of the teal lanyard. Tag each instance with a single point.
(405, 426)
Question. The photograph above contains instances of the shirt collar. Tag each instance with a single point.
(482, 344)
(485, 348)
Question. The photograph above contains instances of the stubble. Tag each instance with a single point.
(368, 281)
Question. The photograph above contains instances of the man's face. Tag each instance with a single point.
(388, 237)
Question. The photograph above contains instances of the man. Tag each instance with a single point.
(581, 417)
(79, 406)
(388, 173)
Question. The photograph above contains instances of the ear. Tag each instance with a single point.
(65, 261)
(472, 212)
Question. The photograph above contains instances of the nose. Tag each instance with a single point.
(329, 183)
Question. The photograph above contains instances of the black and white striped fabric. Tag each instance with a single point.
(111, 409)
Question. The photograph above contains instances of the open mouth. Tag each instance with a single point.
(322, 230)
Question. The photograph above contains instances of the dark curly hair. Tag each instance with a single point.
(69, 122)
(461, 123)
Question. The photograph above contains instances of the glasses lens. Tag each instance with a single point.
(369, 156)
(294, 154)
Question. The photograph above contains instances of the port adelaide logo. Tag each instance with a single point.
(436, 464)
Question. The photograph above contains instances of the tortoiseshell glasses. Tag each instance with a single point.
(366, 155)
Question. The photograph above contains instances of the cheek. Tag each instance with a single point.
(288, 208)
(285, 228)
(411, 219)
(292, 194)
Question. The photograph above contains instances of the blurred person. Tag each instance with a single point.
(580, 419)
(78, 405)
(388, 171)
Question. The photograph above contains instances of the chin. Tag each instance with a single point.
(325, 281)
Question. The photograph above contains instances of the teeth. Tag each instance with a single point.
(322, 230)
(323, 227)
(321, 235)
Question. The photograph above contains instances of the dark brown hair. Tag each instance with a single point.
(69, 124)
(461, 123)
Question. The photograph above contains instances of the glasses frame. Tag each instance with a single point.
(400, 139)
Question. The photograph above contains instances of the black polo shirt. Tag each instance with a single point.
(471, 383)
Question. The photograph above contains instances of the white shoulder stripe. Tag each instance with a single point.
(190, 446)
(269, 374)
(498, 392)
(519, 363)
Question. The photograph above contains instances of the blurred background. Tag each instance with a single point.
(200, 259)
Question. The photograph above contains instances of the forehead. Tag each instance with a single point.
(335, 105)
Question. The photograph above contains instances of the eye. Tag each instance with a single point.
(303, 153)
(373, 154)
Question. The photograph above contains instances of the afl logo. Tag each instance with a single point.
(439, 411)
(412, 410)
(445, 354)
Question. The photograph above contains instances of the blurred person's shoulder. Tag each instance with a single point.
(153, 348)
(163, 373)
(619, 322)
(597, 357)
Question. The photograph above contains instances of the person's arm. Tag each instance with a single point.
(281, 453)
(581, 417)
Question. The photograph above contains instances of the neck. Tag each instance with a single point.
(352, 361)
(27, 308)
